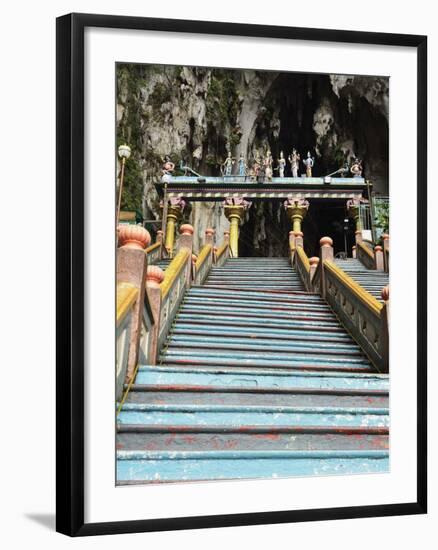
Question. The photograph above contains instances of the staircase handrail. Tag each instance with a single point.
(360, 313)
(222, 253)
(203, 263)
(126, 297)
(365, 255)
(153, 253)
(172, 291)
(302, 265)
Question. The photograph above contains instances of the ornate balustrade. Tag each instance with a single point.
(127, 295)
(302, 265)
(362, 315)
(223, 252)
(203, 264)
(154, 253)
(365, 255)
(172, 292)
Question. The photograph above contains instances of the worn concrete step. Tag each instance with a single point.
(212, 339)
(237, 416)
(254, 312)
(142, 466)
(243, 320)
(290, 350)
(289, 305)
(255, 333)
(265, 295)
(233, 324)
(133, 438)
(184, 395)
(253, 378)
(234, 358)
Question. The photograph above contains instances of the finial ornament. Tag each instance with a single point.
(133, 236)
(154, 276)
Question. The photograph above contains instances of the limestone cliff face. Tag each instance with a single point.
(198, 114)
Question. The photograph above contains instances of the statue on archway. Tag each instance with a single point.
(281, 165)
(167, 169)
(228, 165)
(294, 159)
(356, 168)
(268, 165)
(309, 163)
(242, 165)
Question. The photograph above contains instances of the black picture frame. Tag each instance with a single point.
(70, 273)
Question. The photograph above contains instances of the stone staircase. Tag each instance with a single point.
(370, 279)
(257, 380)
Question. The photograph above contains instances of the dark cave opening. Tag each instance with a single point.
(266, 231)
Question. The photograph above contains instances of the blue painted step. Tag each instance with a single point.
(257, 379)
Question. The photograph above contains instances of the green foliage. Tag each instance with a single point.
(381, 210)
(132, 194)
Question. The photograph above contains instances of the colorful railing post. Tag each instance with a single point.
(385, 327)
(326, 253)
(378, 258)
(313, 261)
(131, 269)
(154, 278)
(185, 241)
(234, 209)
(204, 261)
(222, 252)
(385, 238)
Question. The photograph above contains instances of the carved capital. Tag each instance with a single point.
(235, 208)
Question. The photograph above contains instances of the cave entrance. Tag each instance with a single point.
(328, 218)
(265, 233)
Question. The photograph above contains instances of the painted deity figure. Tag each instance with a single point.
(228, 164)
(242, 165)
(356, 168)
(268, 166)
(281, 165)
(309, 163)
(167, 169)
(294, 159)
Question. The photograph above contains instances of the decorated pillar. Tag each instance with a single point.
(174, 214)
(296, 210)
(353, 208)
(235, 208)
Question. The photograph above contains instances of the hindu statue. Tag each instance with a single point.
(228, 164)
(242, 165)
(268, 166)
(281, 165)
(356, 168)
(294, 159)
(309, 163)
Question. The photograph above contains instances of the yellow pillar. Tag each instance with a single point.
(170, 232)
(173, 216)
(296, 210)
(234, 209)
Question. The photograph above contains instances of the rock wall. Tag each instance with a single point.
(198, 114)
